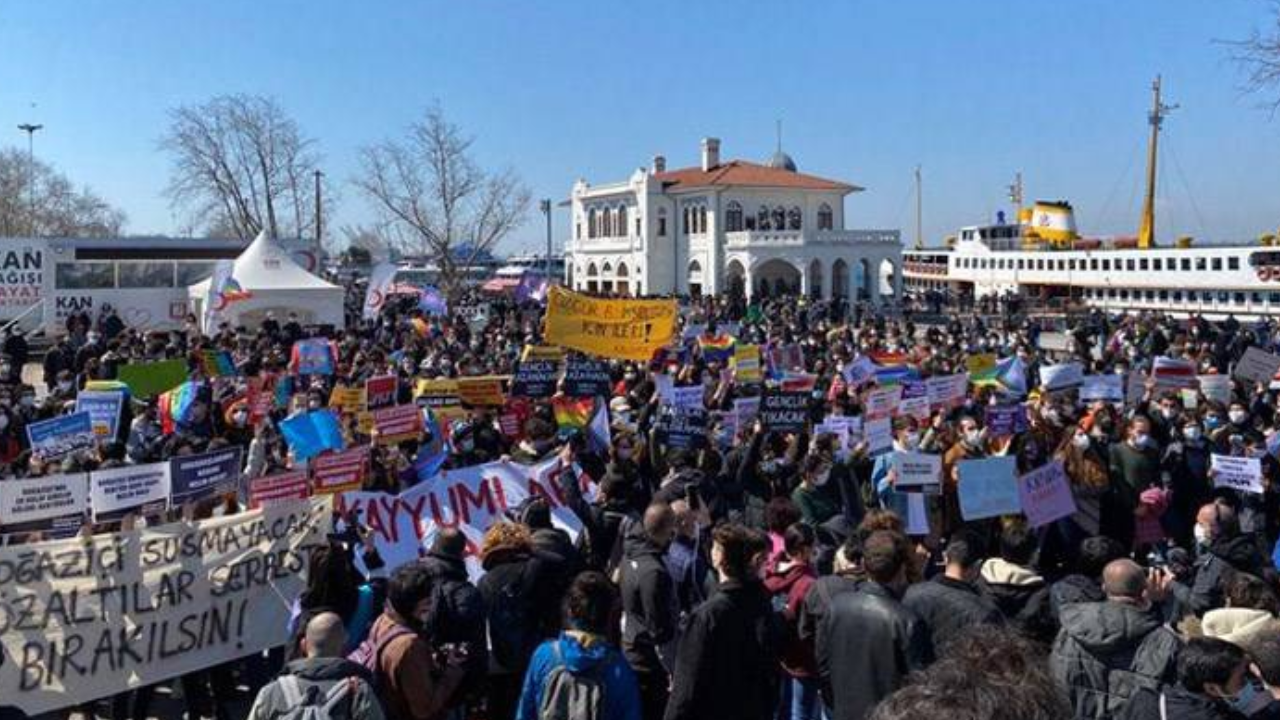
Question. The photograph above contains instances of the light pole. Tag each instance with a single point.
(30, 130)
(545, 205)
(319, 215)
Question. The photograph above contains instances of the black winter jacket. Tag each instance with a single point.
(650, 612)
(1214, 568)
(1107, 651)
(949, 606)
(459, 610)
(1179, 704)
(867, 645)
(727, 665)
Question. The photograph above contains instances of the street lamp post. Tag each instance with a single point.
(319, 216)
(30, 130)
(545, 205)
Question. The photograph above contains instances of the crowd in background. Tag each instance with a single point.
(762, 574)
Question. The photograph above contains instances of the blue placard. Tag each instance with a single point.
(61, 436)
(989, 488)
(104, 408)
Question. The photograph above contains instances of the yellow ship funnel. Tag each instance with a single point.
(1052, 222)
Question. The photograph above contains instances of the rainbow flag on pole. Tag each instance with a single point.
(716, 348)
(175, 405)
(217, 363)
(572, 413)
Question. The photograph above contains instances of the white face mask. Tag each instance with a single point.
(973, 437)
(1191, 433)
(1238, 416)
(1169, 413)
(1140, 440)
(4, 421)
(64, 385)
(911, 440)
(1201, 534)
(821, 478)
(1080, 441)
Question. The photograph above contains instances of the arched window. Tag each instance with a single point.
(762, 218)
(826, 219)
(779, 218)
(622, 220)
(607, 270)
(622, 269)
(593, 224)
(702, 219)
(793, 218)
(733, 217)
(591, 270)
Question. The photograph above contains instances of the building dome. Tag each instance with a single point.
(782, 161)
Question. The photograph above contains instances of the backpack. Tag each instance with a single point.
(311, 704)
(511, 640)
(369, 653)
(569, 696)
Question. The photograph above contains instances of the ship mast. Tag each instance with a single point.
(1147, 230)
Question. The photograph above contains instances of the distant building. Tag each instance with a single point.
(717, 228)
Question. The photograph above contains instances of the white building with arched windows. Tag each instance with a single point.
(735, 226)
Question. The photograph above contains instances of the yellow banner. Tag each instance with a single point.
(542, 352)
(482, 391)
(623, 329)
(442, 391)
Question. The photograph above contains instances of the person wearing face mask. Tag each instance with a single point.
(1213, 683)
(814, 495)
(1237, 432)
(1264, 652)
(1186, 461)
(65, 389)
(1222, 551)
(1133, 465)
(788, 580)
(970, 445)
(145, 435)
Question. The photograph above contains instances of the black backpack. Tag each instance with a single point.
(512, 639)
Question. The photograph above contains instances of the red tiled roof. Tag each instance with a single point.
(749, 174)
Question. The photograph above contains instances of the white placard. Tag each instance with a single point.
(1062, 376)
(1257, 365)
(42, 498)
(918, 471)
(879, 435)
(1237, 473)
(128, 487)
(1102, 387)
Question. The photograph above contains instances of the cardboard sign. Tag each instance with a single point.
(149, 379)
(61, 436)
(878, 435)
(150, 604)
(341, 472)
(280, 488)
(482, 391)
(1109, 388)
(1243, 474)
(917, 472)
(347, 400)
(916, 407)
(1045, 494)
(1173, 373)
(988, 488)
(1062, 376)
(437, 393)
(584, 377)
(381, 391)
(883, 402)
(1257, 366)
(29, 502)
(313, 356)
(687, 429)
(104, 408)
(859, 371)
(116, 491)
(1006, 420)
(196, 477)
(397, 423)
(535, 378)
(947, 390)
(782, 411)
(1216, 388)
(622, 329)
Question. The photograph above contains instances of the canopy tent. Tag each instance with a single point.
(266, 279)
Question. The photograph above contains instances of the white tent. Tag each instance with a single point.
(274, 283)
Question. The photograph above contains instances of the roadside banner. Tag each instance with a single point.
(150, 604)
(104, 408)
(623, 329)
(61, 436)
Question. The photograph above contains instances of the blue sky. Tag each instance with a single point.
(973, 91)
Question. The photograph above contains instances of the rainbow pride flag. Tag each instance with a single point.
(572, 413)
(716, 348)
(217, 363)
(175, 405)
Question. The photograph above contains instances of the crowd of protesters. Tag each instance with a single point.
(762, 574)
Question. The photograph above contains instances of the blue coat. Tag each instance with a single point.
(621, 689)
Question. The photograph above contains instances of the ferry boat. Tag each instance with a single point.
(1041, 257)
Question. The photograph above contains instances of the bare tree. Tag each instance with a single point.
(242, 165)
(51, 206)
(1259, 55)
(436, 200)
